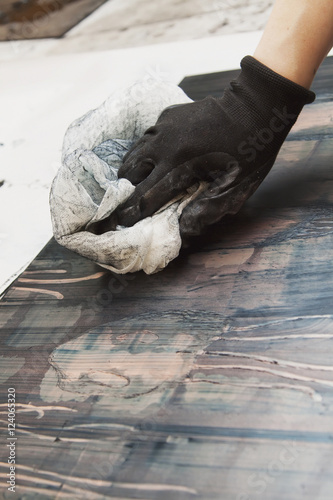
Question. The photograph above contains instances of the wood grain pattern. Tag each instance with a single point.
(33, 19)
(212, 379)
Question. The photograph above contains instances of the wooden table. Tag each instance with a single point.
(212, 379)
(28, 19)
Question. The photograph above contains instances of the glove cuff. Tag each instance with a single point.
(259, 97)
(269, 83)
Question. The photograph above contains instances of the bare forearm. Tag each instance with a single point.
(297, 37)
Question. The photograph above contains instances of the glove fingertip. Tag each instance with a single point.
(190, 224)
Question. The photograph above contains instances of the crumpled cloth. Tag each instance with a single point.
(86, 188)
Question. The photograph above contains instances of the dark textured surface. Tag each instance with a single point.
(212, 379)
(195, 85)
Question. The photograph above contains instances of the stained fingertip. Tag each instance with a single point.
(131, 157)
(137, 172)
(189, 226)
(128, 216)
(142, 171)
(105, 225)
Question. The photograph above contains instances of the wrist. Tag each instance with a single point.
(284, 62)
(297, 37)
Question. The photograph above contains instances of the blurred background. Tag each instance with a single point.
(114, 24)
(61, 58)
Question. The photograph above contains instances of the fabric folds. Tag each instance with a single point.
(86, 188)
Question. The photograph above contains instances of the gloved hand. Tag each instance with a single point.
(231, 142)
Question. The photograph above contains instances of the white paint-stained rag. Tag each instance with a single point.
(86, 188)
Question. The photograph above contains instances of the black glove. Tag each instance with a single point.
(231, 142)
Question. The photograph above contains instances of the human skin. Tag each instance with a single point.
(297, 37)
